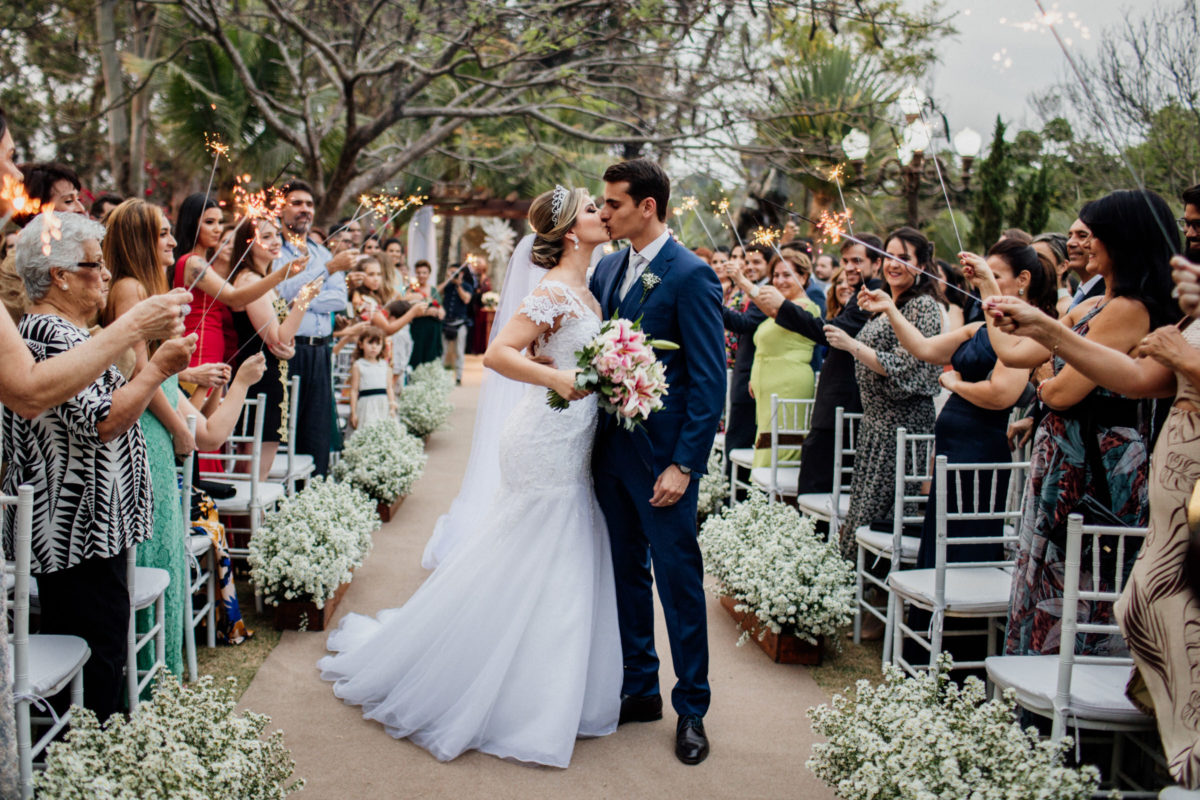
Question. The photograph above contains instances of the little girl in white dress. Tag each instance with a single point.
(371, 395)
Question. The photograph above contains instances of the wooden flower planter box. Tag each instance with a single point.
(295, 615)
(783, 648)
(388, 510)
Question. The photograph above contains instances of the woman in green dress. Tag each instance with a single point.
(138, 247)
(782, 358)
(426, 329)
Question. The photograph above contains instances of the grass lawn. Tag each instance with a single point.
(241, 661)
(840, 671)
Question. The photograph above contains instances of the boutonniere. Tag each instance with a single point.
(649, 281)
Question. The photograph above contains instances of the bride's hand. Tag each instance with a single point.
(564, 383)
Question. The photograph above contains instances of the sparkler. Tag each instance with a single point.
(400, 205)
(767, 238)
(51, 231)
(12, 192)
(723, 208)
(833, 224)
(937, 166)
(690, 203)
(835, 174)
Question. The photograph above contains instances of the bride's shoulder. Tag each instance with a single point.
(548, 301)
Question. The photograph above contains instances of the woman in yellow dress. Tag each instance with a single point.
(782, 359)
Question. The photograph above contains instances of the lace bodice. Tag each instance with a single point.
(540, 447)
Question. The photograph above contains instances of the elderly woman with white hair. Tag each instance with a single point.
(85, 457)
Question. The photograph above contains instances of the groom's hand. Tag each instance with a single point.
(669, 487)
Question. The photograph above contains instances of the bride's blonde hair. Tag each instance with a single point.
(551, 215)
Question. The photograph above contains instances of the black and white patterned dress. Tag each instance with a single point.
(901, 398)
(91, 498)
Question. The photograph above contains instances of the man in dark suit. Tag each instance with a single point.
(647, 479)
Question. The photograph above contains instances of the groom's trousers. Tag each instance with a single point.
(642, 536)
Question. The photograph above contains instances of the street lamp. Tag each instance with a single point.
(967, 143)
(910, 101)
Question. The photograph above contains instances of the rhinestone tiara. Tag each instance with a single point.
(557, 202)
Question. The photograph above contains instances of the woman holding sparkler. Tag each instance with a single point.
(138, 248)
(198, 265)
(1090, 450)
(426, 329)
(897, 388)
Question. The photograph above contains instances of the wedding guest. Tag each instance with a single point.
(823, 269)
(200, 232)
(394, 320)
(897, 389)
(458, 290)
(789, 233)
(369, 297)
(479, 332)
(841, 291)
(742, 424)
(1079, 237)
(704, 253)
(838, 385)
(55, 186)
(85, 455)
(372, 397)
(782, 358)
(394, 249)
(972, 426)
(1189, 223)
(427, 328)
(1017, 235)
(103, 204)
(955, 304)
(1052, 247)
(1092, 442)
(266, 325)
(312, 360)
(1157, 611)
(371, 245)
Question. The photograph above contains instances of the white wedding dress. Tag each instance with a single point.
(511, 646)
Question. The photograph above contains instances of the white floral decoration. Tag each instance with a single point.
(777, 569)
(649, 281)
(307, 547)
(490, 299)
(498, 240)
(713, 489)
(917, 738)
(424, 405)
(383, 460)
(186, 743)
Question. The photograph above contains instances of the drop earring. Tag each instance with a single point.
(1020, 292)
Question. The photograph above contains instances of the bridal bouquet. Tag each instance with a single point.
(619, 365)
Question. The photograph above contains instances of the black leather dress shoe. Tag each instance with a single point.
(640, 709)
(691, 745)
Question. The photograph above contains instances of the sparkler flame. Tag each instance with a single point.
(13, 193)
(215, 146)
(689, 203)
(836, 173)
(723, 206)
(766, 237)
(833, 225)
(51, 231)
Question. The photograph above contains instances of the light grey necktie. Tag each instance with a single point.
(637, 264)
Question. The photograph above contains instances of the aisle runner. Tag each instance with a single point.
(759, 731)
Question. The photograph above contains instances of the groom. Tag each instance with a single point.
(647, 479)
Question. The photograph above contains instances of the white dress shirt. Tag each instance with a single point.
(638, 261)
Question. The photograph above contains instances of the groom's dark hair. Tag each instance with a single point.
(646, 179)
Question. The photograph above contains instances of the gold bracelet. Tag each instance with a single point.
(1057, 342)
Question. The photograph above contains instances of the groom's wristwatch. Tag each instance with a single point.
(683, 469)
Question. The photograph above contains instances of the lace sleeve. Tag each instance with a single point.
(546, 304)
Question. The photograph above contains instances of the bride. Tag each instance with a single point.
(511, 646)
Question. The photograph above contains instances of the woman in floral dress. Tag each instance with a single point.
(1092, 443)
(897, 388)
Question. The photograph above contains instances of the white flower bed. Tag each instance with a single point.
(769, 560)
(927, 739)
(383, 460)
(307, 548)
(424, 405)
(186, 743)
(713, 489)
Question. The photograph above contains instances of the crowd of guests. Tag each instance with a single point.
(1060, 343)
(123, 324)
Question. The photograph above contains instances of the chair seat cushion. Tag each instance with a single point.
(977, 591)
(821, 504)
(268, 495)
(742, 456)
(881, 543)
(198, 544)
(53, 660)
(787, 478)
(148, 584)
(1097, 690)
(302, 465)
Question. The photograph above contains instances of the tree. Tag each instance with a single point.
(990, 199)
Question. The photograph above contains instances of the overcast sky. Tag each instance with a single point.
(994, 65)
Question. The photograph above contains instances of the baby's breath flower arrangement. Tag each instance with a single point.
(925, 737)
(185, 743)
(307, 548)
(713, 489)
(383, 460)
(771, 562)
(424, 405)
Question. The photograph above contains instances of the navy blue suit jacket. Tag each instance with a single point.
(685, 308)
